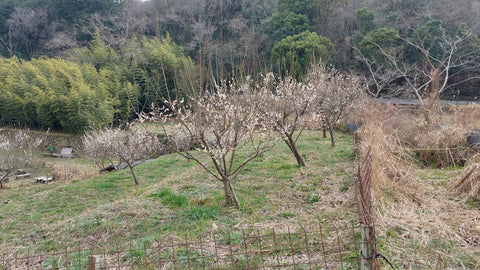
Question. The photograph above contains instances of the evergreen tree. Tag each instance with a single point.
(295, 54)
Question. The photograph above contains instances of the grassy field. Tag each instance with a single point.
(431, 229)
(176, 197)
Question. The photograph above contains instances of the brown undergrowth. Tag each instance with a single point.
(468, 184)
(390, 166)
(421, 223)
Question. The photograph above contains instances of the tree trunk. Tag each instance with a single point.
(431, 108)
(332, 138)
(3, 179)
(230, 196)
(293, 148)
(324, 131)
(133, 173)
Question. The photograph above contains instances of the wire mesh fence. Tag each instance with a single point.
(275, 248)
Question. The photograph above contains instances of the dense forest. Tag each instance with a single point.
(72, 65)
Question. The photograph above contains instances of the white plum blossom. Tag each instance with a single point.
(225, 126)
(121, 145)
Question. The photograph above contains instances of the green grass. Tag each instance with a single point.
(474, 203)
(312, 198)
(170, 198)
(178, 198)
(200, 212)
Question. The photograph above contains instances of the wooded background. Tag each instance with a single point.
(72, 65)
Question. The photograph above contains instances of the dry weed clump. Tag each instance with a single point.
(438, 144)
(468, 183)
(438, 227)
(421, 211)
(401, 134)
(389, 164)
(466, 116)
(441, 146)
(445, 144)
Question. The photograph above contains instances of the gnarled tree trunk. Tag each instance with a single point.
(332, 136)
(432, 103)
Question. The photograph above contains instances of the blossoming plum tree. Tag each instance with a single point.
(222, 131)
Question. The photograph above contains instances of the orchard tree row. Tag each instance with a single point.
(222, 130)
(226, 128)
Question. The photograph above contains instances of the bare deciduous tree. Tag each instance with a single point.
(119, 28)
(287, 109)
(380, 76)
(222, 34)
(337, 93)
(224, 127)
(31, 27)
(60, 43)
(16, 150)
(8, 44)
(122, 145)
(430, 74)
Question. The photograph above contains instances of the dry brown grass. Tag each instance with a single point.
(438, 230)
(68, 170)
(421, 224)
(439, 143)
(468, 183)
(389, 164)
(463, 115)
(64, 170)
